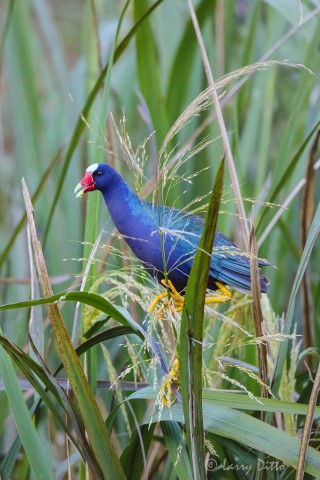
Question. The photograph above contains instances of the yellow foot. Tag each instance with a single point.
(172, 378)
(171, 293)
(178, 300)
(224, 297)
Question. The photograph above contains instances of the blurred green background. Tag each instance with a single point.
(52, 53)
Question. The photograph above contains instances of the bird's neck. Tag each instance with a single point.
(127, 210)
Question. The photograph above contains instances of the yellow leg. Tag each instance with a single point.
(224, 297)
(173, 378)
(157, 300)
(178, 300)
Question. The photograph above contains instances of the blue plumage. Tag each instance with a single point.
(166, 239)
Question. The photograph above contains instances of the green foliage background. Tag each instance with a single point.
(65, 61)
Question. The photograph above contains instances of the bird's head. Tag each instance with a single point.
(96, 178)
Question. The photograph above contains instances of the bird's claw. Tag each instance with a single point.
(172, 379)
(177, 300)
(224, 297)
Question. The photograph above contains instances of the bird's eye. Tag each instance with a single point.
(99, 174)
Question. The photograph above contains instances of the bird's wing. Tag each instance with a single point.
(189, 227)
(229, 264)
(181, 226)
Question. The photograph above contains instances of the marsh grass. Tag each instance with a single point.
(148, 111)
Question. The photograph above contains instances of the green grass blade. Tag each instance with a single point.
(181, 72)
(39, 463)
(10, 459)
(238, 401)
(27, 366)
(113, 332)
(286, 175)
(244, 429)
(191, 333)
(98, 435)
(34, 198)
(49, 403)
(253, 433)
(80, 126)
(93, 205)
(100, 303)
(99, 338)
(177, 449)
(302, 92)
(92, 216)
(258, 404)
(132, 459)
(149, 72)
(6, 28)
(95, 301)
(289, 321)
